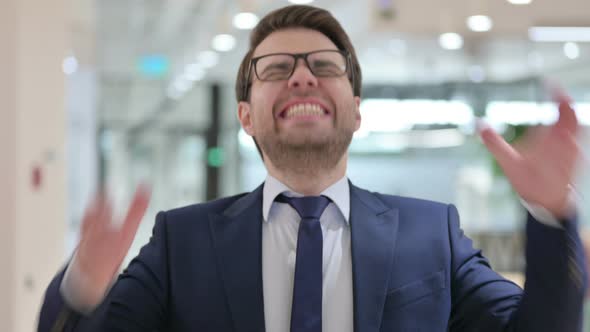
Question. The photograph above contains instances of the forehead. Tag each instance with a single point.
(296, 40)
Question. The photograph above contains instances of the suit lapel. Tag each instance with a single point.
(237, 236)
(373, 235)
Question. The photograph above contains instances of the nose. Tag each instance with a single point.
(302, 77)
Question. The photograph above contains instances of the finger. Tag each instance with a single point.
(568, 120)
(93, 226)
(92, 212)
(104, 216)
(136, 211)
(567, 116)
(503, 152)
(556, 91)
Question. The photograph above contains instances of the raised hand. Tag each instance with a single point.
(104, 243)
(542, 167)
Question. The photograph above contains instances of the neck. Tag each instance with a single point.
(309, 182)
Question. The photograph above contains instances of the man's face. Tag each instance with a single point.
(305, 116)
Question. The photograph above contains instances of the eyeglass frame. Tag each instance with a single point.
(252, 66)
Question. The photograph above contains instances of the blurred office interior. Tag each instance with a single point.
(113, 93)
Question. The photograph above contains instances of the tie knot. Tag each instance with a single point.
(307, 206)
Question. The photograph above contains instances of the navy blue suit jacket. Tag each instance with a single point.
(413, 270)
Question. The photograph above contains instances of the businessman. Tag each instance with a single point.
(309, 251)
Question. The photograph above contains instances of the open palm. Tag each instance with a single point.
(103, 245)
(542, 167)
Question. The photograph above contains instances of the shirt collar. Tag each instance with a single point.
(338, 192)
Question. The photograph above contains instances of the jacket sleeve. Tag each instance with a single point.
(55, 314)
(554, 288)
(138, 300)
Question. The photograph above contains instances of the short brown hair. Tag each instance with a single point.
(298, 16)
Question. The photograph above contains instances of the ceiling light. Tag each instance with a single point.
(450, 41)
(520, 112)
(223, 42)
(245, 21)
(179, 87)
(520, 2)
(69, 65)
(208, 59)
(301, 2)
(194, 72)
(479, 23)
(571, 50)
(560, 34)
(530, 113)
(182, 84)
(387, 115)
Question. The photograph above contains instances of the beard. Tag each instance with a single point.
(303, 153)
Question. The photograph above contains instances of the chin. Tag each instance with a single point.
(307, 140)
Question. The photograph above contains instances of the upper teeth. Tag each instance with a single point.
(304, 109)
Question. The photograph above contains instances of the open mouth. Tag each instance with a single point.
(304, 110)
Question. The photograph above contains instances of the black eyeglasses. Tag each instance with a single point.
(280, 66)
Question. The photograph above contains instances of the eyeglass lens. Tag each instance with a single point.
(280, 66)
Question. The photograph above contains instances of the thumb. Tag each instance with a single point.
(503, 152)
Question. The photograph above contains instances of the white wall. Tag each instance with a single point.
(32, 129)
(7, 163)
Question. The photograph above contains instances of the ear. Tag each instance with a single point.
(357, 112)
(245, 117)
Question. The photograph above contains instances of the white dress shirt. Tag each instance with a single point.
(279, 246)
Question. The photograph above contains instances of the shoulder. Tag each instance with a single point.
(192, 222)
(410, 202)
(395, 201)
(194, 211)
(414, 211)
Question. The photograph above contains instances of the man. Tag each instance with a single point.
(341, 258)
